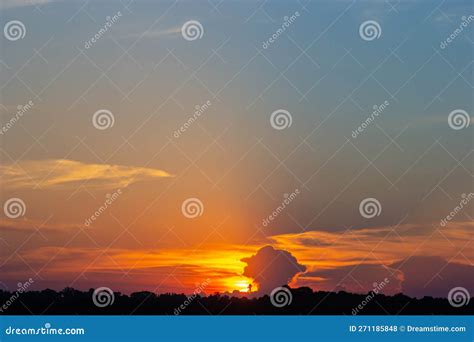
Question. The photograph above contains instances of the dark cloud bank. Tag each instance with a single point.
(417, 276)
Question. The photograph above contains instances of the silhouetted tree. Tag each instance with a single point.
(304, 302)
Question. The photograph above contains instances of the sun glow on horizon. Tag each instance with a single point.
(242, 285)
(239, 283)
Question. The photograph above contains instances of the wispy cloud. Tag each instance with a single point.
(60, 173)
(376, 245)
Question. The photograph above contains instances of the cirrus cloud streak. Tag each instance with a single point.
(61, 173)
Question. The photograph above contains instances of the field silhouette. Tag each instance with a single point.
(304, 302)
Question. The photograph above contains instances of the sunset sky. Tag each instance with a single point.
(231, 159)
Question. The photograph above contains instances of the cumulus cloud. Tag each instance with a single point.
(350, 261)
(360, 278)
(416, 276)
(434, 276)
(271, 268)
(56, 173)
(378, 245)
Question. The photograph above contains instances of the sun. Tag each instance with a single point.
(242, 285)
(239, 283)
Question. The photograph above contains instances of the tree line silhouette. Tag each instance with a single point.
(304, 301)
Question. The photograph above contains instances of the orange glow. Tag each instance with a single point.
(242, 285)
(221, 265)
(239, 283)
(150, 270)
